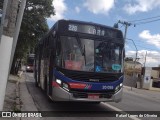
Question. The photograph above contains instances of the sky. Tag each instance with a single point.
(145, 34)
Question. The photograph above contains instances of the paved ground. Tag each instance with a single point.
(135, 100)
(11, 96)
(17, 97)
(34, 99)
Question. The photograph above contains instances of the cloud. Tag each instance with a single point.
(150, 39)
(152, 58)
(77, 9)
(99, 6)
(141, 6)
(60, 9)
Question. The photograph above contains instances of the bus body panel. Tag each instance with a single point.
(78, 90)
(59, 94)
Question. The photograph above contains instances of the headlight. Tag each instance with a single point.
(58, 81)
(65, 86)
(28, 67)
(118, 87)
(62, 84)
(121, 84)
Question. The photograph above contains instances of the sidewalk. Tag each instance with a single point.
(18, 98)
(142, 92)
(11, 96)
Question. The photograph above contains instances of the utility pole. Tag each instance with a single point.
(145, 60)
(18, 25)
(142, 82)
(135, 59)
(3, 17)
(127, 24)
(6, 45)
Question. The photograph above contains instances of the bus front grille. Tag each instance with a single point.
(91, 76)
(85, 95)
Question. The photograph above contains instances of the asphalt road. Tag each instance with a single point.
(132, 101)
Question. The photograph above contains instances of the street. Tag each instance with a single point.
(132, 101)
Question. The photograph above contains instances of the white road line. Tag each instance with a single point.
(119, 110)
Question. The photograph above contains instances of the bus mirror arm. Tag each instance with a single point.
(80, 47)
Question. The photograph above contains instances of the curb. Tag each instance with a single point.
(27, 102)
(128, 87)
(18, 96)
(152, 89)
(18, 100)
(26, 98)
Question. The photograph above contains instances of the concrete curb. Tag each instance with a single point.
(152, 89)
(126, 87)
(27, 102)
(18, 103)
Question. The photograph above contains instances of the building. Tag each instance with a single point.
(132, 67)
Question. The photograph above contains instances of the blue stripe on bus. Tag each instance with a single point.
(95, 86)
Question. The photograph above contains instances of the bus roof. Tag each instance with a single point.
(88, 23)
(55, 26)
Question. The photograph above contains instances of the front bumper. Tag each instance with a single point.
(59, 94)
(29, 69)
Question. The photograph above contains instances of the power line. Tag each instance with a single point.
(145, 18)
(126, 24)
(139, 23)
(142, 21)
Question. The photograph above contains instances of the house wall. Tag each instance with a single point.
(155, 74)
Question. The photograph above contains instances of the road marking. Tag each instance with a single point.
(119, 110)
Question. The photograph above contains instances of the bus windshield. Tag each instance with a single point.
(30, 61)
(91, 55)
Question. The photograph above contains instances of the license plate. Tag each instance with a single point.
(93, 96)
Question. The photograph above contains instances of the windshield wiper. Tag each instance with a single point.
(83, 51)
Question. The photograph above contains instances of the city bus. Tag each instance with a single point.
(80, 61)
(30, 63)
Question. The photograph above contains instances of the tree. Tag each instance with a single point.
(33, 27)
(1, 7)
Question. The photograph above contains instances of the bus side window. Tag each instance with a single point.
(51, 42)
(58, 51)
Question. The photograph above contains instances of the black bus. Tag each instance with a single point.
(80, 61)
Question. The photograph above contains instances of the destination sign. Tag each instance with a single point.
(94, 30)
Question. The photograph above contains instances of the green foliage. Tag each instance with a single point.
(1, 4)
(34, 25)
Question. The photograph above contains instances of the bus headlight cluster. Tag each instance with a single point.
(62, 84)
(65, 86)
(121, 84)
(118, 87)
(59, 81)
(28, 67)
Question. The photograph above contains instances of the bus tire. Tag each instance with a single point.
(36, 84)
